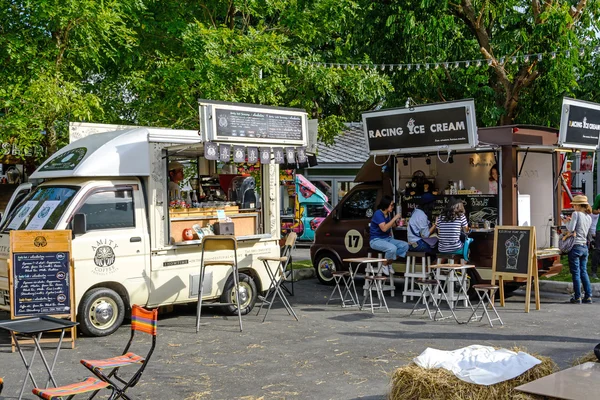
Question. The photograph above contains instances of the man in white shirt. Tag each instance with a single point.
(175, 176)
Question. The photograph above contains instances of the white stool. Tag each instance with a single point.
(451, 259)
(411, 273)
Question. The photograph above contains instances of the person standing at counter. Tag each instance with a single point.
(579, 225)
(493, 180)
(420, 228)
(450, 224)
(380, 230)
(175, 176)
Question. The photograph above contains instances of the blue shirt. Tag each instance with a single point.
(418, 225)
(375, 231)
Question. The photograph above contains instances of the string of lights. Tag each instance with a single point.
(486, 62)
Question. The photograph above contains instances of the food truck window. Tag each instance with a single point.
(317, 211)
(109, 210)
(360, 204)
(42, 209)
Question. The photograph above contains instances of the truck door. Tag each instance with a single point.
(352, 223)
(112, 255)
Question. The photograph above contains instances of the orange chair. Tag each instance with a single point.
(142, 320)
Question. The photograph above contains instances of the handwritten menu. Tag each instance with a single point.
(513, 250)
(41, 283)
(258, 125)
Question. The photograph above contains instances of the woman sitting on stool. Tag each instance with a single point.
(420, 228)
(450, 224)
(382, 235)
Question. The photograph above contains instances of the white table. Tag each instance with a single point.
(447, 287)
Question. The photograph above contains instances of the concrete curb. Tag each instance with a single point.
(565, 287)
(303, 273)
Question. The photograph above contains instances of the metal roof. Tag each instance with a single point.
(349, 147)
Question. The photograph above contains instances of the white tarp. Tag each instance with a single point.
(482, 365)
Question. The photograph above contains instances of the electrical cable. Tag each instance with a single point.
(380, 165)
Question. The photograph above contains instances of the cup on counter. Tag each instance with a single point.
(486, 224)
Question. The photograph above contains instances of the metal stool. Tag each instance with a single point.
(411, 273)
(377, 282)
(485, 294)
(426, 287)
(377, 270)
(342, 277)
(450, 258)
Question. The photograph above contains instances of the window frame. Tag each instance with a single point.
(115, 189)
(343, 205)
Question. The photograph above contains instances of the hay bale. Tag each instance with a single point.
(589, 357)
(413, 383)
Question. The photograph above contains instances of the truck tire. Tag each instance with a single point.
(248, 294)
(325, 264)
(101, 312)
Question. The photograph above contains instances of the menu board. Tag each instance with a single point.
(478, 207)
(41, 284)
(246, 123)
(512, 250)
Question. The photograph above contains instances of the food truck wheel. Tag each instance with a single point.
(248, 294)
(325, 264)
(101, 312)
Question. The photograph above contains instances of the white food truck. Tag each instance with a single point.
(110, 189)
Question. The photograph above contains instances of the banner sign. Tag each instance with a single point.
(248, 123)
(579, 124)
(418, 129)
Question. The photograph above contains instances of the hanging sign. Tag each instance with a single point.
(252, 155)
(579, 124)
(224, 152)
(289, 155)
(211, 151)
(302, 155)
(440, 126)
(251, 123)
(239, 155)
(265, 155)
(278, 155)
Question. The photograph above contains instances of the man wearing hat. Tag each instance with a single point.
(175, 176)
(579, 225)
(420, 227)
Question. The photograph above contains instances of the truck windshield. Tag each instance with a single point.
(41, 209)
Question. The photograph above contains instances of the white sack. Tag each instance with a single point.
(482, 365)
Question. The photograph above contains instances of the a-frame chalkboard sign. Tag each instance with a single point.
(514, 257)
(40, 274)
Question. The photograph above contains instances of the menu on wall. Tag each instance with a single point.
(41, 283)
(478, 207)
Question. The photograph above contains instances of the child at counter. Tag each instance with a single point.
(382, 239)
(450, 224)
(420, 228)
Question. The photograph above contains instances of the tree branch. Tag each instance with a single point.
(576, 12)
(535, 6)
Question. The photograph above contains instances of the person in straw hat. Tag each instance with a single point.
(579, 225)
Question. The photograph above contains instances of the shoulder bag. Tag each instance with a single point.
(431, 240)
(566, 241)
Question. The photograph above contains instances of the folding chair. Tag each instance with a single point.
(217, 243)
(141, 320)
(278, 277)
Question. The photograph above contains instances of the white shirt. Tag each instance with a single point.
(174, 191)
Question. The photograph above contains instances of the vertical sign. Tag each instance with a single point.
(514, 257)
(41, 275)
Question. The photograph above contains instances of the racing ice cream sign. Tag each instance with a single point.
(579, 124)
(432, 127)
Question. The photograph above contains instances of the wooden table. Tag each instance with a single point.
(581, 382)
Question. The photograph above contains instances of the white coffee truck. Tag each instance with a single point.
(110, 187)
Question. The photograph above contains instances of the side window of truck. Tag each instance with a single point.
(109, 210)
(360, 204)
(316, 211)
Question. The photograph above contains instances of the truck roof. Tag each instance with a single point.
(116, 153)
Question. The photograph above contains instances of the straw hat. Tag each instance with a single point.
(580, 199)
(175, 165)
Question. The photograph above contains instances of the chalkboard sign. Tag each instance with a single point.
(245, 123)
(478, 207)
(513, 250)
(41, 283)
(515, 258)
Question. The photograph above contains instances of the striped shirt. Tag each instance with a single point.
(449, 233)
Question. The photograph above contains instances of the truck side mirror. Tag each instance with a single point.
(79, 224)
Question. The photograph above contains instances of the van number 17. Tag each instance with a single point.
(353, 240)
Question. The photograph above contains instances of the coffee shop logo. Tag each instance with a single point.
(411, 126)
(105, 256)
(40, 241)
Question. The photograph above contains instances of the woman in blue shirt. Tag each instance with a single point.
(381, 234)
